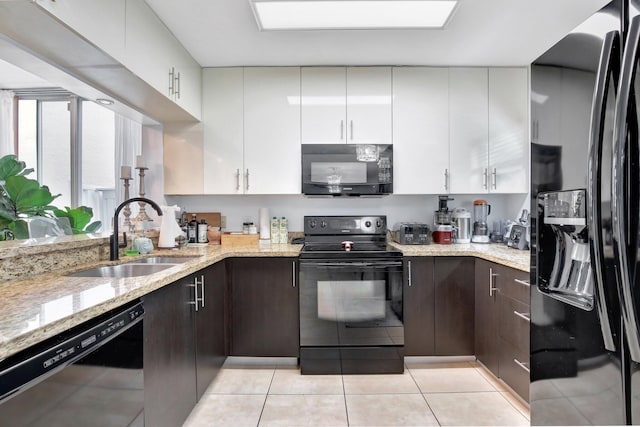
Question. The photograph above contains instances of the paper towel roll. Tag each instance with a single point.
(264, 223)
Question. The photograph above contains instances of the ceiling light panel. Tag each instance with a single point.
(351, 14)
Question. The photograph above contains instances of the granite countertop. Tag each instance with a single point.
(39, 307)
(494, 252)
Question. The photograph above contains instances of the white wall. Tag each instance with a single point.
(152, 152)
(239, 209)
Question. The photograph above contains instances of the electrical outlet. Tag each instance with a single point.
(223, 221)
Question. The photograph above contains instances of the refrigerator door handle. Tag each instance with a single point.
(619, 220)
(608, 65)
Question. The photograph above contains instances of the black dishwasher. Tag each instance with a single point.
(90, 375)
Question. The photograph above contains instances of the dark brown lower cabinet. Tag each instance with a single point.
(419, 307)
(454, 306)
(183, 347)
(169, 349)
(486, 315)
(264, 307)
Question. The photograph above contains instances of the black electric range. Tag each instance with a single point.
(350, 297)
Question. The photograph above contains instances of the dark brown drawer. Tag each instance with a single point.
(513, 283)
(514, 365)
(513, 325)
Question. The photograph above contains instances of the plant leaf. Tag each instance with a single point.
(11, 166)
(27, 194)
(93, 227)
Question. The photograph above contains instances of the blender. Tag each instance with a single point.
(481, 210)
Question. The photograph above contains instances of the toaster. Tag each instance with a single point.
(411, 233)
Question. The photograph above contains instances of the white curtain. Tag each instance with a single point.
(128, 137)
(6, 123)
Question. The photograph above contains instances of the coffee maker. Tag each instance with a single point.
(481, 210)
(443, 230)
(564, 236)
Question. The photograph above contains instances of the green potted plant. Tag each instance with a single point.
(22, 198)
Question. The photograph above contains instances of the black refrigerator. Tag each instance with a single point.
(585, 281)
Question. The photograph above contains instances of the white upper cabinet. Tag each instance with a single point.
(324, 105)
(369, 105)
(351, 105)
(102, 22)
(222, 117)
(468, 130)
(272, 130)
(420, 130)
(156, 56)
(508, 130)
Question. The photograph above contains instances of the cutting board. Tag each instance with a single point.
(212, 218)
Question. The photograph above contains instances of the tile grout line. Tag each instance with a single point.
(266, 396)
(423, 396)
(344, 395)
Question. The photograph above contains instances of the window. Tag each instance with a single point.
(55, 130)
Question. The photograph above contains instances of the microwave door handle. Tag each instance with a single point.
(608, 66)
(619, 220)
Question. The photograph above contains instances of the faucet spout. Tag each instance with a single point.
(114, 244)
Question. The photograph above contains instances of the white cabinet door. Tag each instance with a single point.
(156, 56)
(324, 105)
(508, 130)
(420, 130)
(271, 130)
(469, 129)
(369, 105)
(183, 160)
(102, 22)
(222, 117)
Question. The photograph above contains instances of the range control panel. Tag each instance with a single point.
(348, 225)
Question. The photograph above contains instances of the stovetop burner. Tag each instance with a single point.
(346, 236)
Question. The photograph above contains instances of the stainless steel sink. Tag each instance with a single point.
(164, 260)
(122, 270)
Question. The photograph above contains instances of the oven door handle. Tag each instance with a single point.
(379, 264)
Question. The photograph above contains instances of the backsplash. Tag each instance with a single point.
(239, 209)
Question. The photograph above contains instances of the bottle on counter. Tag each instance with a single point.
(275, 230)
(192, 230)
(284, 230)
(202, 232)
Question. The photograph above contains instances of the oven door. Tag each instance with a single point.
(351, 307)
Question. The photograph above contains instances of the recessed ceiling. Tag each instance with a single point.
(481, 33)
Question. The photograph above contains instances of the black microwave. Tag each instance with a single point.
(347, 169)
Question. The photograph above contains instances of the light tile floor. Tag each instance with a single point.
(427, 394)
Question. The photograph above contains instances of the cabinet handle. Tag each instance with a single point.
(237, 179)
(409, 272)
(195, 294)
(525, 316)
(522, 365)
(177, 85)
(246, 184)
(293, 269)
(491, 276)
(351, 126)
(485, 179)
(172, 81)
(522, 282)
(202, 291)
(341, 130)
(494, 178)
(446, 179)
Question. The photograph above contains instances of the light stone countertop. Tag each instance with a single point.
(494, 252)
(40, 307)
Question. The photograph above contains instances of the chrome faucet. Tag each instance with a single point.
(114, 244)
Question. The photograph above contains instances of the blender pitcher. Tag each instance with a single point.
(481, 210)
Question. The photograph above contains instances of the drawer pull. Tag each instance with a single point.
(525, 316)
(522, 365)
(491, 276)
(522, 282)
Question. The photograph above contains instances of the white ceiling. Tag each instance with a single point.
(481, 32)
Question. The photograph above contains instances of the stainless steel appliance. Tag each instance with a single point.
(411, 233)
(91, 375)
(481, 210)
(461, 219)
(350, 297)
(585, 293)
(347, 169)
